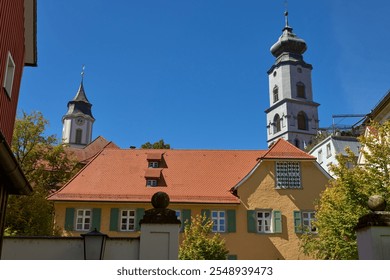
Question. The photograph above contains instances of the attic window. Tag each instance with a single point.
(151, 183)
(153, 164)
(288, 175)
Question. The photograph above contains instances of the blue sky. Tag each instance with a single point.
(194, 72)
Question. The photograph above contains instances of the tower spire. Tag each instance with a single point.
(78, 121)
(292, 113)
(286, 12)
(82, 73)
(286, 18)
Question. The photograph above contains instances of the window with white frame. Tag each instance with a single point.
(9, 75)
(219, 221)
(264, 221)
(288, 175)
(153, 164)
(328, 150)
(83, 219)
(127, 220)
(320, 156)
(308, 217)
(151, 182)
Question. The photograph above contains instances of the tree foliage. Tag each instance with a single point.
(200, 243)
(46, 166)
(156, 145)
(345, 200)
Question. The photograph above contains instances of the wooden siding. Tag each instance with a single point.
(3, 206)
(11, 40)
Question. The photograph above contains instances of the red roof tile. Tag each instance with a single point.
(153, 173)
(282, 149)
(201, 176)
(85, 154)
(154, 156)
(190, 176)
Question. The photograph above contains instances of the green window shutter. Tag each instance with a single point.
(231, 220)
(69, 219)
(185, 218)
(139, 214)
(96, 216)
(277, 221)
(206, 213)
(297, 221)
(251, 220)
(114, 219)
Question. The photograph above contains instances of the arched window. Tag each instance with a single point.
(302, 121)
(276, 94)
(301, 90)
(276, 123)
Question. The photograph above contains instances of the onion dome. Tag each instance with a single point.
(288, 42)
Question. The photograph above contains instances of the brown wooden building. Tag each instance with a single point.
(18, 48)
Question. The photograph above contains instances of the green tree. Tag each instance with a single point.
(46, 166)
(345, 200)
(156, 145)
(200, 243)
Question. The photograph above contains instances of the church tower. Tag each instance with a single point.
(292, 113)
(78, 121)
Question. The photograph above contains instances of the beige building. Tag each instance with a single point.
(260, 201)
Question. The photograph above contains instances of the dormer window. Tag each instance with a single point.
(153, 164)
(151, 183)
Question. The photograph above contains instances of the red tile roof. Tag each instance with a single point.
(189, 176)
(282, 149)
(85, 154)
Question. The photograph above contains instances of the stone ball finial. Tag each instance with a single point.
(376, 203)
(160, 200)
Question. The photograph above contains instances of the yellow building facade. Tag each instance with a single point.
(261, 216)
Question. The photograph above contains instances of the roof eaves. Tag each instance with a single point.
(243, 180)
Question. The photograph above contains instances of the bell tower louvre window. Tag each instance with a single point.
(302, 121)
(301, 90)
(276, 123)
(276, 94)
(79, 134)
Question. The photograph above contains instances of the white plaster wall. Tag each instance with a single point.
(65, 248)
(287, 76)
(159, 241)
(374, 243)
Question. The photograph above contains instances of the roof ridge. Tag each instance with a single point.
(289, 151)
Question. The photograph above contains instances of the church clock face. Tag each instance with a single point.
(79, 121)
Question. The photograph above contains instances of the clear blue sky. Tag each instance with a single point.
(193, 72)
